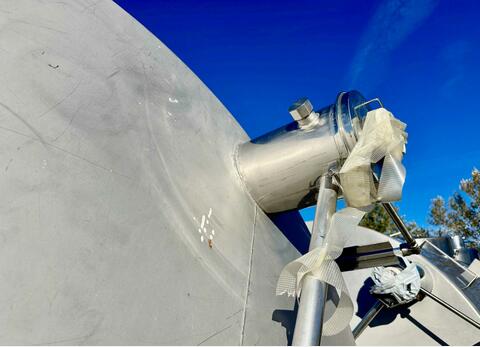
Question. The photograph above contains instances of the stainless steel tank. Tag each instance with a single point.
(459, 250)
(281, 168)
(123, 220)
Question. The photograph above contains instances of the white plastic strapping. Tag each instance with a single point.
(320, 263)
(382, 137)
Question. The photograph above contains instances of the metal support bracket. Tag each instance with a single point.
(361, 257)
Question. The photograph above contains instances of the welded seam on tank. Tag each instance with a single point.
(244, 318)
(239, 171)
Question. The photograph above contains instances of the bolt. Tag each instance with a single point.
(301, 109)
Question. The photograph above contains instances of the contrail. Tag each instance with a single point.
(391, 23)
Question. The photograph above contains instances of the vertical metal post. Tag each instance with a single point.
(308, 327)
(326, 207)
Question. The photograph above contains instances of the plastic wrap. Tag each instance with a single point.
(403, 285)
(382, 137)
(320, 263)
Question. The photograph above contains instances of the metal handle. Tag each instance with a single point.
(365, 104)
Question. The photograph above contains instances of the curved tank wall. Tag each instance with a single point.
(123, 220)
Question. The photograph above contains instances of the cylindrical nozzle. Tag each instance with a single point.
(281, 168)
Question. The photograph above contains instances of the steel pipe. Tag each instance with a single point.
(402, 228)
(367, 319)
(311, 308)
(308, 327)
(326, 207)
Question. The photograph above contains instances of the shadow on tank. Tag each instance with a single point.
(292, 225)
(365, 301)
(288, 319)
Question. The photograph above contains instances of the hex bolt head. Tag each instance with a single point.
(300, 109)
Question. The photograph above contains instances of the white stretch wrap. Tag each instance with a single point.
(404, 284)
(382, 137)
(320, 263)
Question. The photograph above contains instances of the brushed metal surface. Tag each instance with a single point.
(114, 158)
(311, 306)
(282, 168)
(423, 323)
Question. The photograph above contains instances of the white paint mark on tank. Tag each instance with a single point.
(202, 229)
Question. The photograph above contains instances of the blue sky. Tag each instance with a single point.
(420, 57)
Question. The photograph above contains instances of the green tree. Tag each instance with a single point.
(462, 214)
(438, 216)
(379, 220)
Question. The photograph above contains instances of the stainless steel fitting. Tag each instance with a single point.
(302, 112)
(301, 109)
